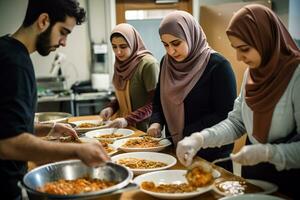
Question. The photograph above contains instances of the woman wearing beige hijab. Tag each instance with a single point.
(135, 78)
(197, 86)
(268, 107)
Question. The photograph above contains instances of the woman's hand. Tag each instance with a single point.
(188, 148)
(154, 130)
(253, 154)
(118, 123)
(106, 113)
(60, 129)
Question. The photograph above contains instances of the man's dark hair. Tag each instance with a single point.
(57, 10)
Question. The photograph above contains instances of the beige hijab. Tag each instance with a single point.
(178, 78)
(259, 27)
(124, 70)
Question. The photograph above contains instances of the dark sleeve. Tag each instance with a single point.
(223, 87)
(15, 102)
(141, 113)
(157, 111)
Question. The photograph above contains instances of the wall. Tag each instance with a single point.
(294, 17)
(280, 7)
(102, 19)
(78, 43)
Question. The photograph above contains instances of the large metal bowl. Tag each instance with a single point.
(45, 117)
(71, 170)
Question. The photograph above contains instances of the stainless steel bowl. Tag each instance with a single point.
(45, 117)
(71, 170)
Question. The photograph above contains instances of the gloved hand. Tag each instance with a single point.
(118, 123)
(60, 129)
(253, 154)
(188, 148)
(154, 130)
(106, 113)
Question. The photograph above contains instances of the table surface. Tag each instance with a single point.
(136, 194)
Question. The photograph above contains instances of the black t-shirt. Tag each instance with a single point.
(17, 107)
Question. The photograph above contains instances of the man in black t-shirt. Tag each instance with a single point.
(45, 28)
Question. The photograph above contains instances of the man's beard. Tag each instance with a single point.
(43, 42)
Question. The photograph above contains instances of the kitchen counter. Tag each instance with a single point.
(77, 100)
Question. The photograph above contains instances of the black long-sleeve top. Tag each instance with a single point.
(207, 103)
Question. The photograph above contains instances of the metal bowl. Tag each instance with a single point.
(46, 117)
(73, 169)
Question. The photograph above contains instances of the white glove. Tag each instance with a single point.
(154, 130)
(118, 123)
(60, 129)
(253, 154)
(188, 148)
(106, 113)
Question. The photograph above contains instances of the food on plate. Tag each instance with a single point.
(89, 125)
(62, 139)
(168, 188)
(232, 187)
(71, 139)
(106, 146)
(236, 186)
(145, 142)
(199, 174)
(109, 136)
(138, 163)
(80, 185)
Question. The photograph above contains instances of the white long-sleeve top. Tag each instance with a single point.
(286, 118)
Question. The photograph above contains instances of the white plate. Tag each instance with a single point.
(266, 186)
(171, 177)
(118, 145)
(153, 156)
(105, 131)
(81, 130)
(88, 140)
(252, 197)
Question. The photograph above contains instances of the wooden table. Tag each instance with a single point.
(136, 194)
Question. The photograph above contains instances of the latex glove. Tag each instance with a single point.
(154, 130)
(188, 148)
(118, 123)
(253, 154)
(106, 113)
(60, 129)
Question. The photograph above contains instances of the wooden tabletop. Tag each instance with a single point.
(136, 194)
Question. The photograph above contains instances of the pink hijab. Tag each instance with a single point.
(124, 70)
(260, 28)
(178, 78)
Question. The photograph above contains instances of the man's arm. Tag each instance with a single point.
(28, 147)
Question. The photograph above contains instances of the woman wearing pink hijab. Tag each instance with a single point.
(268, 107)
(197, 86)
(135, 78)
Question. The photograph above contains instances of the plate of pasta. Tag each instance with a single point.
(111, 134)
(172, 184)
(109, 148)
(144, 162)
(138, 144)
(88, 125)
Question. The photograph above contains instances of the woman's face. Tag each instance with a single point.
(121, 48)
(248, 54)
(175, 47)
